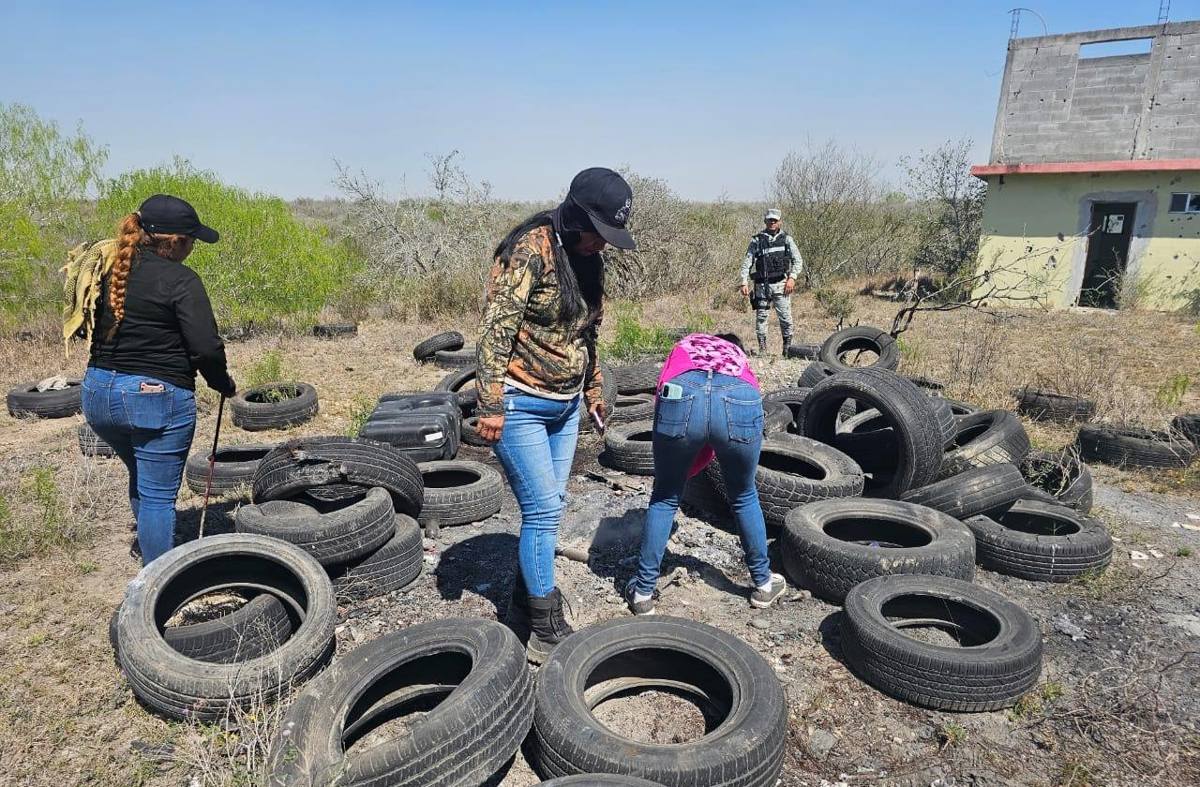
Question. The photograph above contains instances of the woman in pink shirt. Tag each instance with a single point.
(709, 405)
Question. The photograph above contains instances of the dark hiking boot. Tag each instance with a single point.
(762, 347)
(517, 615)
(787, 343)
(548, 626)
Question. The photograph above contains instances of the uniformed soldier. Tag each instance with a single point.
(773, 262)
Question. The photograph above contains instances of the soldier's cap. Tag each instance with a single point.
(166, 215)
(772, 213)
(607, 199)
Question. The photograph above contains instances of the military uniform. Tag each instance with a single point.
(771, 259)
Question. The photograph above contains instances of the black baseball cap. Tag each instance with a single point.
(167, 215)
(607, 199)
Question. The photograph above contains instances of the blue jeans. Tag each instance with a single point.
(152, 434)
(536, 448)
(725, 413)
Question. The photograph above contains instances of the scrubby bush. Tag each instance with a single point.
(268, 270)
(45, 178)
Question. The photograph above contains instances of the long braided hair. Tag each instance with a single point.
(131, 239)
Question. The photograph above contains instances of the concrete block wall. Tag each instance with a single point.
(1056, 107)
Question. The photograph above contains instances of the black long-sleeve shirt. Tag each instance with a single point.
(169, 331)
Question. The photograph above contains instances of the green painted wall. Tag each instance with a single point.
(1035, 235)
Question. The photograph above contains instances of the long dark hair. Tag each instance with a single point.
(580, 279)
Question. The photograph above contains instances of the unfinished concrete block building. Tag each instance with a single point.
(1094, 179)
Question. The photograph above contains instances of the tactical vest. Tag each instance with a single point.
(772, 260)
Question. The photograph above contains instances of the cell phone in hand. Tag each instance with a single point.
(597, 420)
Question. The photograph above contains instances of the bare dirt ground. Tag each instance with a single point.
(1118, 701)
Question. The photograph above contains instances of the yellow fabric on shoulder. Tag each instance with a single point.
(86, 266)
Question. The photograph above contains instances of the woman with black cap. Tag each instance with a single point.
(154, 329)
(538, 368)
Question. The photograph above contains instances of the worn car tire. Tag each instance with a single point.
(961, 408)
(794, 398)
(391, 567)
(637, 378)
(184, 688)
(744, 750)
(450, 340)
(469, 432)
(337, 534)
(1041, 405)
(334, 330)
(814, 373)
(233, 470)
(458, 492)
(26, 400)
(630, 447)
(471, 676)
(1187, 426)
(990, 437)
(302, 464)
(975, 491)
(1000, 660)
(91, 444)
(702, 500)
(831, 546)
(252, 630)
(1063, 476)
(631, 407)
(1129, 447)
(918, 438)
(807, 352)
(251, 409)
(859, 338)
(1042, 542)
(456, 359)
(777, 418)
(459, 382)
(793, 471)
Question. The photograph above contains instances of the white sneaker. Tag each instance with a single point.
(763, 598)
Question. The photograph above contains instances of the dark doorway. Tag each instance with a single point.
(1108, 250)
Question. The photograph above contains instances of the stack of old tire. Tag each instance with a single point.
(351, 504)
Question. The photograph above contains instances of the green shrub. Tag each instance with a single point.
(268, 270)
(632, 339)
(268, 369)
(46, 177)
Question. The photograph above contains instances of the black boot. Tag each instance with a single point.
(517, 616)
(547, 625)
(787, 342)
(762, 346)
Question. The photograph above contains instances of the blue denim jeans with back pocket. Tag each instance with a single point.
(723, 412)
(152, 433)
(536, 448)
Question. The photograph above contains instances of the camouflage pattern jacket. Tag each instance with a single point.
(522, 341)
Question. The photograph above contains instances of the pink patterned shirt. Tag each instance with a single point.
(710, 354)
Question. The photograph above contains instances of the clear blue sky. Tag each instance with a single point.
(705, 95)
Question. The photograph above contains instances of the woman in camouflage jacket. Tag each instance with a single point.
(538, 368)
